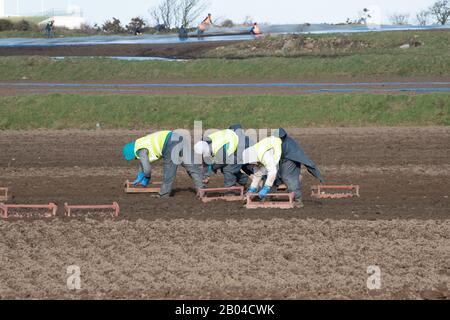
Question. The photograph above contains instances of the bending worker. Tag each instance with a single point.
(223, 151)
(255, 29)
(161, 145)
(279, 158)
(205, 24)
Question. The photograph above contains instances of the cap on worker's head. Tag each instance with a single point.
(250, 156)
(128, 151)
(202, 148)
(235, 127)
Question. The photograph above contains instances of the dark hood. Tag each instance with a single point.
(291, 150)
(281, 133)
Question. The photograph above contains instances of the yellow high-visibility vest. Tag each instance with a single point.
(267, 144)
(224, 137)
(153, 143)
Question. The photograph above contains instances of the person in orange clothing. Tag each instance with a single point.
(205, 24)
(255, 29)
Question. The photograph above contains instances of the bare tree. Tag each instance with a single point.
(422, 17)
(165, 13)
(441, 11)
(248, 21)
(399, 18)
(177, 13)
(190, 10)
(154, 14)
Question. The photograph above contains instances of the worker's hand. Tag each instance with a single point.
(263, 193)
(252, 190)
(140, 177)
(206, 180)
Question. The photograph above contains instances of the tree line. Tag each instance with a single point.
(439, 12)
(167, 15)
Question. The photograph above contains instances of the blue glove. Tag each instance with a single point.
(145, 182)
(252, 190)
(139, 179)
(264, 191)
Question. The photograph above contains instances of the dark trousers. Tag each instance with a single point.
(289, 174)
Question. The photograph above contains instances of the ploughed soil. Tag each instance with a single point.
(185, 50)
(182, 248)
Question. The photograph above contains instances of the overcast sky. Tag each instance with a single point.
(273, 11)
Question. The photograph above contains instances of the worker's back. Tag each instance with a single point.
(205, 23)
(255, 29)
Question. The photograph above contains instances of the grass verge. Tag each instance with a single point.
(254, 69)
(64, 111)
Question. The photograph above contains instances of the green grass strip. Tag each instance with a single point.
(64, 111)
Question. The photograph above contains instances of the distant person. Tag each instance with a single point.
(49, 29)
(255, 29)
(182, 33)
(138, 31)
(160, 27)
(205, 24)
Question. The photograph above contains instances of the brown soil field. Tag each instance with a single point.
(184, 50)
(181, 248)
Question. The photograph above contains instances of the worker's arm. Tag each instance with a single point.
(271, 167)
(207, 172)
(257, 177)
(144, 163)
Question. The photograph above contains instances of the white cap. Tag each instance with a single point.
(250, 155)
(202, 148)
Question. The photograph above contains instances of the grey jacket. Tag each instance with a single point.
(291, 150)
